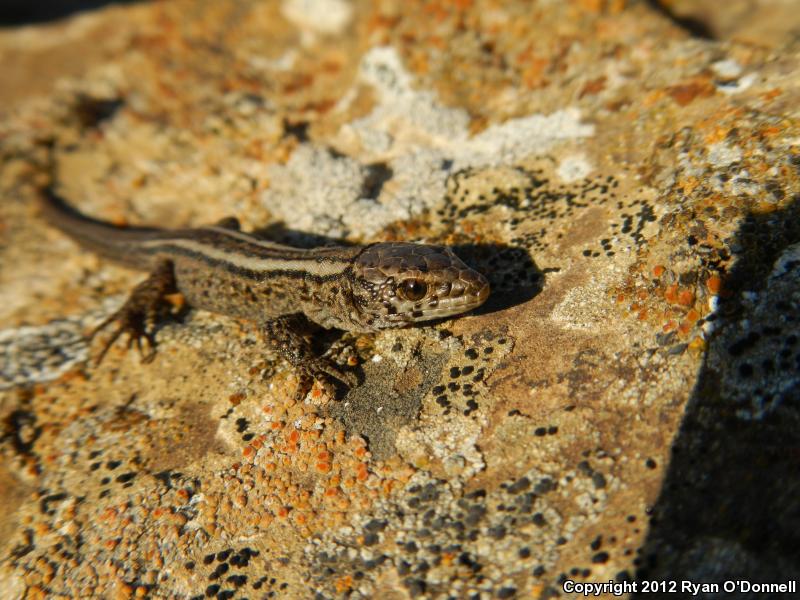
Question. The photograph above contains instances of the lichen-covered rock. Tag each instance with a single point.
(624, 407)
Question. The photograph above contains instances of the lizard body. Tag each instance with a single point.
(221, 269)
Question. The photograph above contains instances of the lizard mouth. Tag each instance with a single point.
(475, 292)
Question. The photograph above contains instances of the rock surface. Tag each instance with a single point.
(625, 407)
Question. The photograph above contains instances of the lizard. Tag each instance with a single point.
(281, 288)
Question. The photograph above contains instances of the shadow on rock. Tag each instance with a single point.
(23, 12)
(279, 233)
(728, 508)
(512, 274)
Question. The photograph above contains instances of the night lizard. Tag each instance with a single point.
(281, 288)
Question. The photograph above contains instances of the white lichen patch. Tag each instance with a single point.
(573, 168)
(721, 154)
(420, 143)
(36, 354)
(328, 17)
(316, 204)
(451, 441)
(787, 262)
(581, 308)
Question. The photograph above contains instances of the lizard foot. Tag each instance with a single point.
(138, 316)
(284, 334)
(325, 373)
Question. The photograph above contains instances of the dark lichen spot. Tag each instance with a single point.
(522, 484)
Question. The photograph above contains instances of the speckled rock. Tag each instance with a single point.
(624, 407)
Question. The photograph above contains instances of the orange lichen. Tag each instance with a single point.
(593, 86)
(671, 294)
(686, 298)
(236, 398)
(714, 284)
(697, 344)
(265, 520)
(111, 544)
(343, 584)
(685, 93)
(658, 270)
(770, 132)
(689, 185)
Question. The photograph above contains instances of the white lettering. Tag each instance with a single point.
(597, 589)
(729, 586)
(687, 587)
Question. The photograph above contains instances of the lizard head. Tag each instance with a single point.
(398, 284)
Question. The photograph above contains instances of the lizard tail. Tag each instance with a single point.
(109, 240)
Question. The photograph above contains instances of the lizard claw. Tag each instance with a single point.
(284, 334)
(137, 316)
(323, 372)
(132, 322)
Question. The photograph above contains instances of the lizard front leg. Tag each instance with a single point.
(285, 334)
(145, 305)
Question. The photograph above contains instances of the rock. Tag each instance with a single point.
(623, 407)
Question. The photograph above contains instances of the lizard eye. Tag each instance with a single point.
(413, 289)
